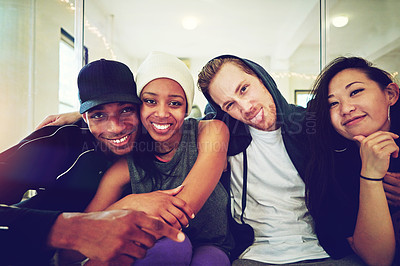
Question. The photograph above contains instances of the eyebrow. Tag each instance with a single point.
(238, 87)
(169, 95)
(347, 86)
(149, 93)
(176, 96)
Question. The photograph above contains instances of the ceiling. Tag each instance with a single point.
(251, 28)
(282, 32)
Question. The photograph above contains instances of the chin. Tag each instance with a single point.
(123, 151)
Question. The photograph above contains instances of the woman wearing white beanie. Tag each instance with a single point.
(162, 65)
(184, 158)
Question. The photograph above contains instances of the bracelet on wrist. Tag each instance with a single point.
(371, 179)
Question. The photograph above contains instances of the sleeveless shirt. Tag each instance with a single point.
(210, 226)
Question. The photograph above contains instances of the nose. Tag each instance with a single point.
(245, 106)
(115, 124)
(162, 110)
(346, 107)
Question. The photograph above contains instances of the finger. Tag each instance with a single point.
(391, 196)
(46, 122)
(395, 154)
(183, 206)
(393, 177)
(382, 146)
(383, 133)
(170, 219)
(391, 148)
(391, 203)
(141, 237)
(395, 136)
(392, 199)
(179, 216)
(394, 190)
(133, 250)
(359, 138)
(375, 138)
(157, 226)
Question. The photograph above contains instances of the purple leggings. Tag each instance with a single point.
(168, 252)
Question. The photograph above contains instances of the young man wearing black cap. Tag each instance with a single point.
(64, 165)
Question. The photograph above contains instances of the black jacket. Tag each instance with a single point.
(64, 165)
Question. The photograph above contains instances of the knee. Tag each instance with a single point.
(168, 252)
(209, 255)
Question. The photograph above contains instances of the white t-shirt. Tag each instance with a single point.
(275, 205)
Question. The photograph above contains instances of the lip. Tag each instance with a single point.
(258, 117)
(161, 128)
(121, 141)
(353, 120)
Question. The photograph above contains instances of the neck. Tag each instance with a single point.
(166, 150)
(165, 153)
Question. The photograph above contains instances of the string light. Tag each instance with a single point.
(293, 75)
(97, 32)
(93, 29)
(304, 76)
(71, 5)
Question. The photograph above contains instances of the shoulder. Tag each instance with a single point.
(213, 126)
(57, 132)
(51, 138)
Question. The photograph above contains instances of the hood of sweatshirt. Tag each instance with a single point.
(290, 118)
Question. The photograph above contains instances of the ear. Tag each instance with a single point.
(84, 116)
(392, 91)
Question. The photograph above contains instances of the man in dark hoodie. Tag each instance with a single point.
(267, 161)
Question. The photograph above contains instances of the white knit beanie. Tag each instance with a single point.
(162, 65)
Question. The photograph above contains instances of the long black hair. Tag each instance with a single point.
(320, 174)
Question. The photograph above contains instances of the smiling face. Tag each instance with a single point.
(358, 105)
(115, 125)
(244, 97)
(163, 110)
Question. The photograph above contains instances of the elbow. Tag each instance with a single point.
(379, 261)
(384, 259)
(379, 256)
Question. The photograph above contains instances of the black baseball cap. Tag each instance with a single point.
(106, 81)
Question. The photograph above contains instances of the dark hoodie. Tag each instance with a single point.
(290, 118)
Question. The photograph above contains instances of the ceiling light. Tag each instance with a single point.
(340, 21)
(190, 23)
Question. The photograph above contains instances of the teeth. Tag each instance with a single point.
(161, 127)
(120, 140)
